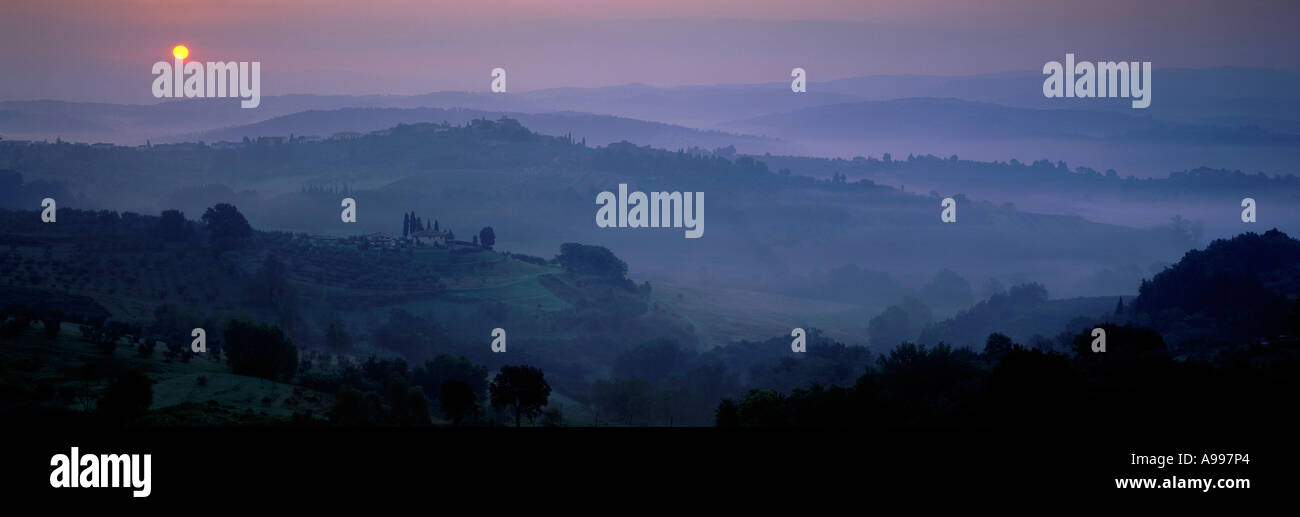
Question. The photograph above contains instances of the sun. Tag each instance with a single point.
(181, 52)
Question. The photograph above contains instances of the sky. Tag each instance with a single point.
(102, 50)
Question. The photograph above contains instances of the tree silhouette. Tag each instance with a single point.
(271, 285)
(997, 345)
(355, 408)
(626, 400)
(172, 226)
(417, 407)
(523, 389)
(434, 372)
(487, 237)
(763, 408)
(227, 227)
(652, 361)
(591, 260)
(260, 351)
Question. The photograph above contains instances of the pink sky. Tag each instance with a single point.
(101, 50)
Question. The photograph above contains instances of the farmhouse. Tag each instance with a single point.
(435, 237)
(381, 240)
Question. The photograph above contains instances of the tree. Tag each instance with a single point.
(889, 328)
(444, 368)
(1030, 294)
(226, 226)
(652, 361)
(1032, 388)
(1212, 294)
(172, 226)
(271, 285)
(523, 389)
(487, 237)
(174, 325)
(458, 400)
(997, 345)
(591, 260)
(1129, 344)
(408, 404)
(991, 287)
(260, 351)
(105, 336)
(417, 407)
(763, 408)
(947, 290)
(626, 400)
(354, 408)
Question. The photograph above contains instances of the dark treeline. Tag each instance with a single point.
(1230, 312)
(1137, 383)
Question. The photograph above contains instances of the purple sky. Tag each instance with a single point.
(102, 50)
